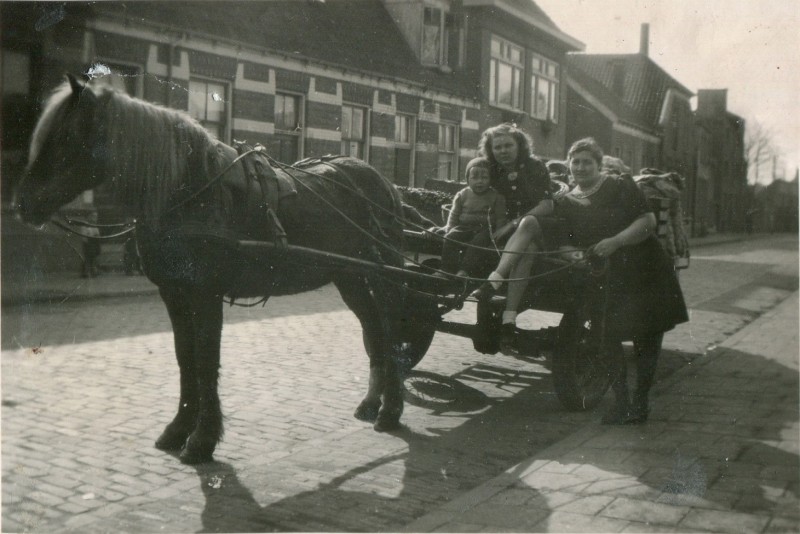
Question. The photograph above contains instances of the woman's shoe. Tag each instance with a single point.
(485, 292)
(618, 414)
(638, 412)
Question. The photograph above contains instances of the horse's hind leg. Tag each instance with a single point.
(383, 403)
(180, 314)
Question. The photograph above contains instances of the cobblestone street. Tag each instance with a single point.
(88, 386)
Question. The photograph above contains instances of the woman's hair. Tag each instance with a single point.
(524, 143)
(587, 144)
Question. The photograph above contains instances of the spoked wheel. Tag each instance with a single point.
(580, 371)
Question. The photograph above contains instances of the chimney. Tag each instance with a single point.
(644, 40)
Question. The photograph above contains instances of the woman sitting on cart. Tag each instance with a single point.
(642, 298)
(525, 183)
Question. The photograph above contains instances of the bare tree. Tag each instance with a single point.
(760, 150)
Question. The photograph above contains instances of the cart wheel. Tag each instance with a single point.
(580, 372)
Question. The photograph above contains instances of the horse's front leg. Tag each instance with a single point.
(180, 314)
(207, 322)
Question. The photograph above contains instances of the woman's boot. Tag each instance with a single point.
(648, 350)
(619, 412)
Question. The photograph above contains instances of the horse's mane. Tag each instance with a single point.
(153, 153)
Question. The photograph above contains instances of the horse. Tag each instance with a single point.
(189, 193)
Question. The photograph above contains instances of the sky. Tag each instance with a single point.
(749, 47)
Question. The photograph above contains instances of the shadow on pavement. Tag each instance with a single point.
(721, 466)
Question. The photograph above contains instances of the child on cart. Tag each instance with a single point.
(477, 210)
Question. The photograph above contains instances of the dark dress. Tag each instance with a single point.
(644, 296)
(523, 189)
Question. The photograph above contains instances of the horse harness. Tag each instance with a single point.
(275, 186)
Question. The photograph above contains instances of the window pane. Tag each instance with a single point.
(347, 120)
(517, 88)
(552, 70)
(536, 64)
(515, 55)
(431, 36)
(197, 99)
(504, 84)
(215, 103)
(402, 129)
(358, 123)
(554, 101)
(495, 47)
(493, 81)
(541, 98)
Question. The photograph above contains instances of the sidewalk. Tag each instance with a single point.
(58, 286)
(720, 453)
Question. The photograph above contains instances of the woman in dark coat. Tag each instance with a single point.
(642, 299)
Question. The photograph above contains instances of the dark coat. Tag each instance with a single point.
(642, 295)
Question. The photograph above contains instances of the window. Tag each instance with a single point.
(505, 74)
(432, 32)
(404, 154)
(207, 104)
(354, 132)
(544, 88)
(448, 152)
(404, 129)
(288, 128)
(442, 38)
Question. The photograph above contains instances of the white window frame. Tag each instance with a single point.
(364, 139)
(447, 160)
(226, 125)
(544, 73)
(505, 54)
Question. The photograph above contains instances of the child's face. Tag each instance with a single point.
(478, 179)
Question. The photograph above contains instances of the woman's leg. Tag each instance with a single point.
(618, 414)
(527, 232)
(648, 349)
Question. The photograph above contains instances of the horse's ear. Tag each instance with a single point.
(77, 86)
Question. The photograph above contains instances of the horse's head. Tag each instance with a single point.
(66, 155)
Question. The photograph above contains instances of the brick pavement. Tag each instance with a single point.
(79, 422)
(720, 453)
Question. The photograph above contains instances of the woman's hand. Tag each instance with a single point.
(606, 247)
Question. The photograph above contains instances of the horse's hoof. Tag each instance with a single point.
(170, 442)
(367, 412)
(194, 457)
(387, 423)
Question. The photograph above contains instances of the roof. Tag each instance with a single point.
(529, 12)
(609, 99)
(645, 84)
(356, 34)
